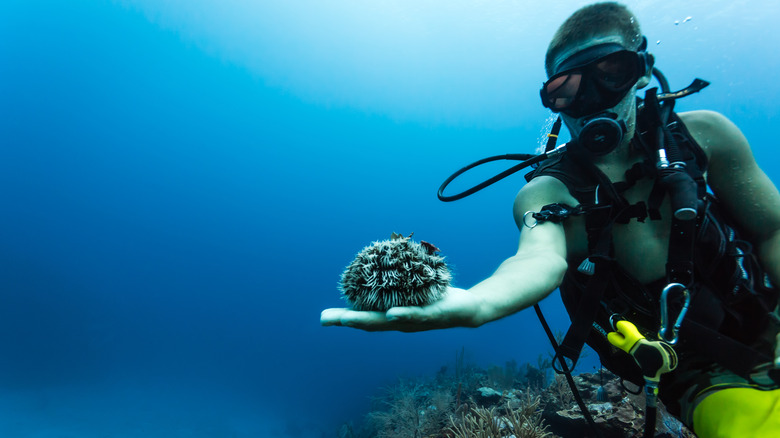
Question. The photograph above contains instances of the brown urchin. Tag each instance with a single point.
(393, 273)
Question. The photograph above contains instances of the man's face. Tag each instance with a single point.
(625, 109)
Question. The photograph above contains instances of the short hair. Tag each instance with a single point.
(592, 20)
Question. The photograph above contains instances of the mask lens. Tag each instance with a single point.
(593, 85)
(561, 91)
(616, 72)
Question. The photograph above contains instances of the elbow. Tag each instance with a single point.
(558, 267)
(554, 267)
(551, 269)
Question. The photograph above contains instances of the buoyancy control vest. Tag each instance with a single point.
(731, 297)
(720, 283)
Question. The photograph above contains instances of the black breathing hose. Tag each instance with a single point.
(527, 160)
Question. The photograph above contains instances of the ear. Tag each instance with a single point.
(649, 61)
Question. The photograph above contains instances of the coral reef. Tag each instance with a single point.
(620, 416)
(505, 402)
(411, 410)
(520, 417)
(395, 272)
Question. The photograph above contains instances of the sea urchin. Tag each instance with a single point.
(393, 273)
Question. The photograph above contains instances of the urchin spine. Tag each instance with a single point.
(393, 273)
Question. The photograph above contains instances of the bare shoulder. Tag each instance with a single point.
(733, 174)
(540, 191)
(704, 119)
(715, 133)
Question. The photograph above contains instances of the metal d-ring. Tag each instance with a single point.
(614, 319)
(525, 222)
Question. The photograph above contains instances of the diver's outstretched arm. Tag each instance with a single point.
(519, 282)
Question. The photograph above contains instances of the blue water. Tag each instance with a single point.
(181, 185)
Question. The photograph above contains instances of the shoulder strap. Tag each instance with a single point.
(566, 170)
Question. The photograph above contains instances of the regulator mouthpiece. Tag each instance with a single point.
(601, 134)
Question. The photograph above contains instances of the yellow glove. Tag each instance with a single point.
(626, 336)
(653, 357)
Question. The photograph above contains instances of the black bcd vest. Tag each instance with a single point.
(732, 298)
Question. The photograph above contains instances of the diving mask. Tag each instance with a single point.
(595, 79)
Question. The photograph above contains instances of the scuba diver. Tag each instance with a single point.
(659, 228)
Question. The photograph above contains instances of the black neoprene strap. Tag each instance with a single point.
(732, 354)
(567, 373)
(679, 265)
(582, 320)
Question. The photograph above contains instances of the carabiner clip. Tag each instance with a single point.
(663, 333)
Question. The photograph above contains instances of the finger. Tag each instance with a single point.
(352, 318)
(331, 317)
(405, 314)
